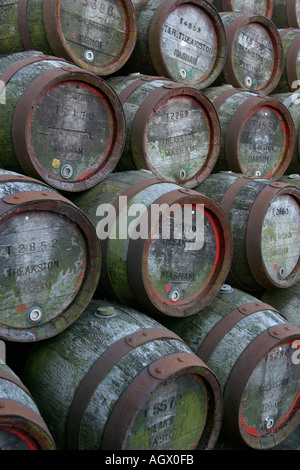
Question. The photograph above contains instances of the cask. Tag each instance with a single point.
(154, 235)
(286, 13)
(178, 39)
(287, 301)
(290, 77)
(60, 123)
(252, 349)
(259, 7)
(21, 424)
(97, 35)
(173, 130)
(129, 384)
(265, 222)
(258, 132)
(50, 260)
(255, 56)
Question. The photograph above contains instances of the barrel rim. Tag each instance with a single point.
(58, 204)
(227, 6)
(156, 24)
(232, 31)
(21, 127)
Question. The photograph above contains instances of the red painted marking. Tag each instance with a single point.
(21, 309)
(167, 287)
(275, 267)
(73, 36)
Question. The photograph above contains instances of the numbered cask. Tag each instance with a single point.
(286, 13)
(97, 35)
(258, 132)
(291, 102)
(259, 7)
(255, 57)
(49, 257)
(178, 39)
(21, 424)
(60, 123)
(137, 386)
(253, 351)
(154, 235)
(265, 221)
(173, 130)
(287, 301)
(290, 78)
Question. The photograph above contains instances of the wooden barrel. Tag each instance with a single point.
(154, 235)
(265, 222)
(60, 124)
(252, 349)
(286, 13)
(129, 384)
(179, 39)
(21, 424)
(258, 132)
(293, 179)
(49, 257)
(291, 102)
(255, 58)
(173, 130)
(259, 7)
(286, 301)
(97, 35)
(290, 78)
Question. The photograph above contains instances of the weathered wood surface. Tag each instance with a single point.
(255, 57)
(259, 376)
(286, 301)
(258, 132)
(62, 125)
(293, 178)
(286, 13)
(151, 265)
(289, 80)
(184, 41)
(264, 218)
(49, 257)
(291, 102)
(173, 130)
(259, 7)
(168, 413)
(21, 424)
(97, 35)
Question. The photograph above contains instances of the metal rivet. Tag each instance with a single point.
(258, 173)
(35, 314)
(158, 370)
(89, 56)
(66, 171)
(179, 359)
(248, 81)
(145, 334)
(275, 332)
(181, 174)
(174, 295)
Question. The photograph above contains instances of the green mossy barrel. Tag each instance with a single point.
(173, 130)
(265, 222)
(286, 301)
(21, 424)
(60, 123)
(96, 35)
(258, 132)
(253, 351)
(255, 57)
(259, 7)
(291, 102)
(118, 380)
(179, 39)
(50, 260)
(293, 178)
(165, 248)
(290, 77)
(286, 13)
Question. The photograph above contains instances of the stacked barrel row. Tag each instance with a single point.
(112, 109)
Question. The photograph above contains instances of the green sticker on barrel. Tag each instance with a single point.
(71, 125)
(179, 139)
(281, 237)
(172, 418)
(271, 393)
(189, 44)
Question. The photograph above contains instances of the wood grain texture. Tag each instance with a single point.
(259, 7)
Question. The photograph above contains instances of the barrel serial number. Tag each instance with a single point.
(101, 7)
(31, 247)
